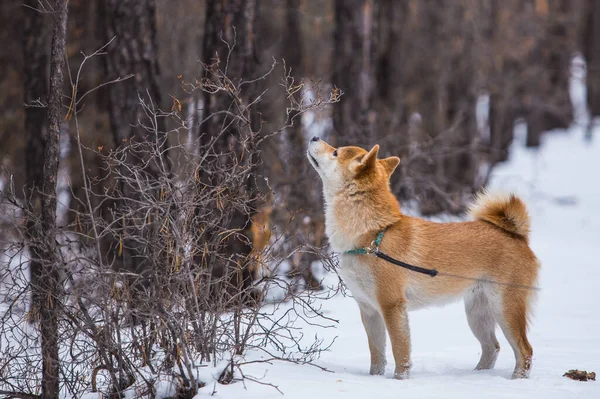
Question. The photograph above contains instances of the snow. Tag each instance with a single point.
(560, 185)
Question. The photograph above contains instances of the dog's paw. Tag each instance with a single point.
(402, 375)
(378, 369)
(520, 373)
(402, 372)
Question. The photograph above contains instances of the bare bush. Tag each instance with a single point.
(193, 299)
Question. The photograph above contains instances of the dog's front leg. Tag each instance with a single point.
(375, 328)
(396, 320)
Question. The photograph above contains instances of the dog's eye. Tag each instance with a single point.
(334, 153)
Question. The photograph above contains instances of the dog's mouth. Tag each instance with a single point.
(312, 160)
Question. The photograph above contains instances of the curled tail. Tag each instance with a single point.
(505, 211)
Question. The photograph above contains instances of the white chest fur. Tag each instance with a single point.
(339, 241)
(359, 278)
(356, 274)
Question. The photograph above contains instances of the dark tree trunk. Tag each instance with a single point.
(501, 81)
(35, 88)
(501, 119)
(427, 82)
(296, 199)
(391, 47)
(134, 51)
(231, 22)
(132, 24)
(354, 118)
(304, 224)
(50, 282)
(460, 164)
(591, 51)
(549, 102)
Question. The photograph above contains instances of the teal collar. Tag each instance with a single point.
(368, 250)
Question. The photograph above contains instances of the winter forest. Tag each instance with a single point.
(162, 232)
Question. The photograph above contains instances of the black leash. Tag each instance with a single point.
(429, 272)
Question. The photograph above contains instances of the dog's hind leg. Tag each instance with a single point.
(513, 321)
(375, 328)
(480, 316)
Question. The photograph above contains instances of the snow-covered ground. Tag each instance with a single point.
(561, 186)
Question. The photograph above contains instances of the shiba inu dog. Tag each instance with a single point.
(490, 254)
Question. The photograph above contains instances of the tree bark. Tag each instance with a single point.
(134, 50)
(461, 163)
(591, 51)
(354, 118)
(501, 85)
(426, 83)
(228, 22)
(549, 105)
(229, 46)
(305, 225)
(390, 75)
(50, 282)
(35, 88)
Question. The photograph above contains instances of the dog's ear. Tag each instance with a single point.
(371, 157)
(390, 164)
(367, 161)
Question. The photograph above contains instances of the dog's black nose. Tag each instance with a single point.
(315, 139)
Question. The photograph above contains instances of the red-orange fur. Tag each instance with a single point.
(260, 230)
(508, 213)
(492, 248)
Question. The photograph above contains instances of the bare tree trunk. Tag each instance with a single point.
(591, 51)
(502, 119)
(35, 52)
(50, 282)
(132, 24)
(426, 95)
(354, 118)
(391, 47)
(229, 44)
(134, 51)
(534, 86)
(549, 105)
(228, 23)
(461, 163)
(304, 224)
(501, 84)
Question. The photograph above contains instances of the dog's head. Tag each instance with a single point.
(350, 167)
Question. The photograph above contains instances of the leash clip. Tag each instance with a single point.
(373, 248)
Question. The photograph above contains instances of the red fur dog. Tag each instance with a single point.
(492, 252)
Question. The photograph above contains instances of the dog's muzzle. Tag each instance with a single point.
(312, 159)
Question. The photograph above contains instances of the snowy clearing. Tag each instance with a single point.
(557, 183)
